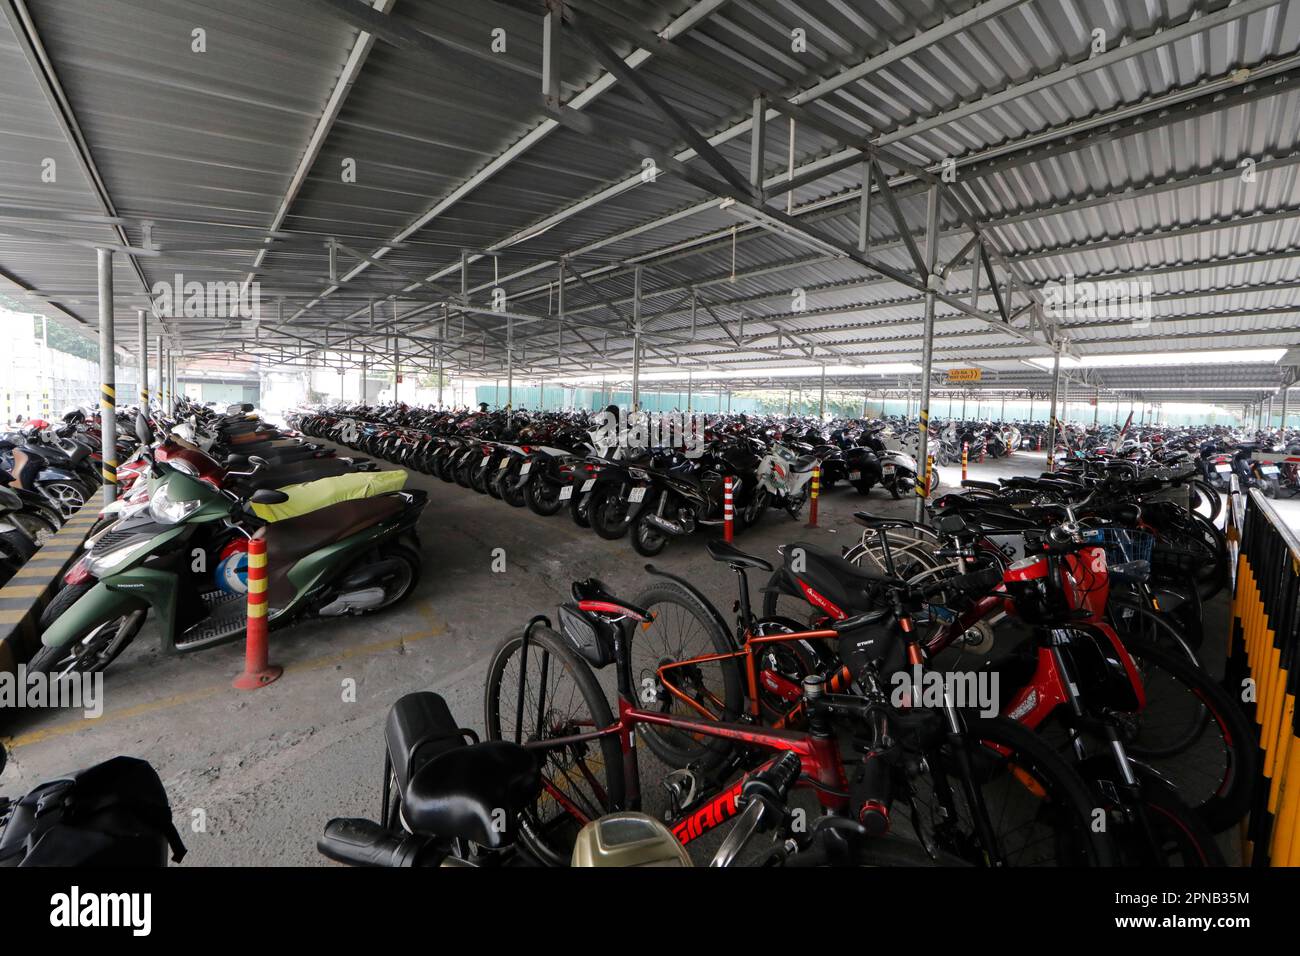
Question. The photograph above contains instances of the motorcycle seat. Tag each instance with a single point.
(721, 551)
(976, 483)
(308, 469)
(290, 540)
(465, 792)
(882, 524)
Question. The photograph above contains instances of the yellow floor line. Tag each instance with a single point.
(166, 703)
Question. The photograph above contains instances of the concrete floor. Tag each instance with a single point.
(266, 769)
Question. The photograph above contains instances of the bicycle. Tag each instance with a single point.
(948, 771)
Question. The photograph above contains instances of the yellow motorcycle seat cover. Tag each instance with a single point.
(314, 495)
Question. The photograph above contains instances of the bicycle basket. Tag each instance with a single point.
(1125, 544)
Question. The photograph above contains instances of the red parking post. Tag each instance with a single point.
(965, 453)
(728, 512)
(257, 671)
(816, 493)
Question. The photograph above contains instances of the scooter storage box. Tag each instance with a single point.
(419, 727)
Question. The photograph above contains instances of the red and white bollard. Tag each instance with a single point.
(728, 512)
(816, 493)
(965, 454)
(257, 671)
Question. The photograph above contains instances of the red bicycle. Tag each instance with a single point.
(980, 790)
(1075, 670)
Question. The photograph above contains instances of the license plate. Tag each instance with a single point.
(504, 462)
(887, 469)
(588, 485)
(525, 468)
(635, 495)
(566, 492)
(483, 463)
(1269, 469)
(854, 475)
(1223, 469)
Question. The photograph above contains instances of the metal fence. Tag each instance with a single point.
(1261, 668)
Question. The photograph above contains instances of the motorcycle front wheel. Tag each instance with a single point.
(608, 514)
(647, 540)
(91, 650)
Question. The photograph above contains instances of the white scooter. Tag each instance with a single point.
(783, 479)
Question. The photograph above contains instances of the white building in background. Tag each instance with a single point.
(37, 381)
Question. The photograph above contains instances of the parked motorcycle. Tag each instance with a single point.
(353, 557)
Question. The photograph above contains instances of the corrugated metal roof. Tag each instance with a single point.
(1119, 164)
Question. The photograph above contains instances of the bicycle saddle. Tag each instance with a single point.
(473, 793)
(721, 551)
(592, 595)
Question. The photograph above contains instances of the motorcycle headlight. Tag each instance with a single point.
(165, 509)
(102, 564)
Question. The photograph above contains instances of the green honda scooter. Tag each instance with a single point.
(354, 557)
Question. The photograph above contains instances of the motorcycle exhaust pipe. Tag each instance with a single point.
(675, 528)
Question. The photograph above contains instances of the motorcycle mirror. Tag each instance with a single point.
(268, 496)
(246, 406)
(257, 462)
(235, 461)
(142, 429)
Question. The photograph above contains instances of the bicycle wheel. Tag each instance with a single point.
(681, 630)
(561, 698)
(1205, 498)
(1133, 622)
(1192, 734)
(1180, 837)
(1039, 809)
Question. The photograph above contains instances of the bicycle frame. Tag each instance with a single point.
(819, 755)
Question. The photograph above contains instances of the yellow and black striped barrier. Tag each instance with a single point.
(922, 482)
(1261, 670)
(25, 596)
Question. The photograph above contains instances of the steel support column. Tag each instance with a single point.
(160, 356)
(636, 338)
(821, 402)
(142, 328)
(1052, 422)
(1285, 397)
(927, 352)
(107, 379)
